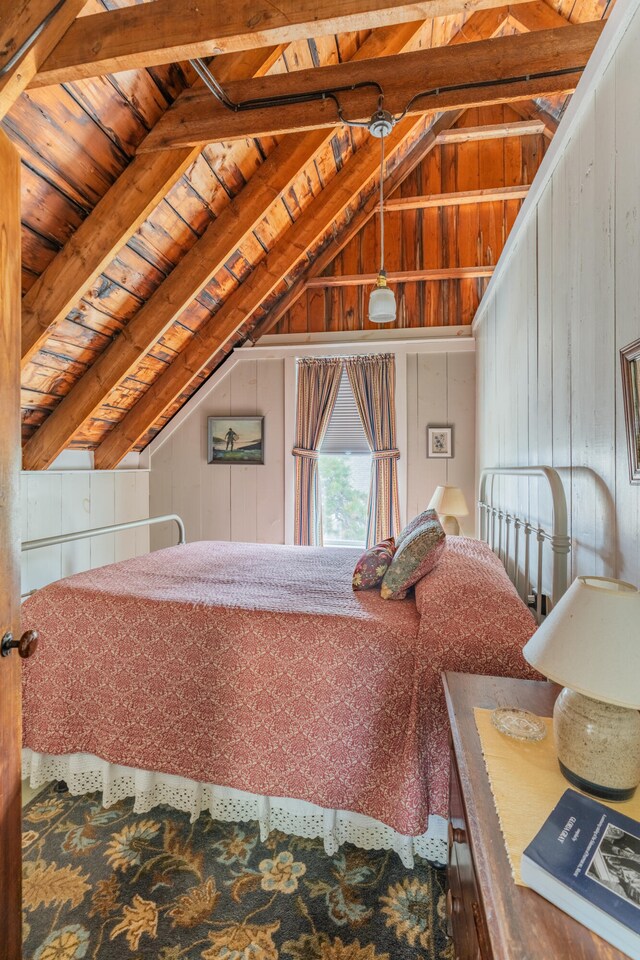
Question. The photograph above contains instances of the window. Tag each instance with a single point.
(345, 473)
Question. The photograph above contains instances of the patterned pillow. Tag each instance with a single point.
(423, 517)
(414, 559)
(373, 564)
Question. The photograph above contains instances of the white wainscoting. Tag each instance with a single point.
(566, 299)
(55, 502)
(436, 385)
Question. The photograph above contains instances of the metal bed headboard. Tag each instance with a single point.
(98, 531)
(510, 537)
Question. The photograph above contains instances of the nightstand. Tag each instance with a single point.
(490, 917)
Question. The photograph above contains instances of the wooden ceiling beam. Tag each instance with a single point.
(494, 71)
(537, 15)
(494, 131)
(354, 177)
(458, 198)
(18, 23)
(169, 31)
(402, 276)
(529, 110)
(193, 273)
(137, 191)
(481, 26)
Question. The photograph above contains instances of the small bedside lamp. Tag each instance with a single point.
(591, 642)
(448, 501)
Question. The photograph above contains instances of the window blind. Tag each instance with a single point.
(345, 433)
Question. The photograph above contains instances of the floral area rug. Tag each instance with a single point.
(115, 885)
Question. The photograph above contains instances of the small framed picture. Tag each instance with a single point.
(439, 441)
(630, 359)
(235, 440)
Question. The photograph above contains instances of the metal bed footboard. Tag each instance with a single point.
(99, 531)
(510, 537)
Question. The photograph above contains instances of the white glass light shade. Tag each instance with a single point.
(590, 641)
(382, 305)
(449, 500)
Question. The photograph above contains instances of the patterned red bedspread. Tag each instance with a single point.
(257, 667)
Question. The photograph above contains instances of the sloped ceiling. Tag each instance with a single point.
(131, 301)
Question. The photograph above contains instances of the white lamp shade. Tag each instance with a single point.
(449, 500)
(382, 305)
(590, 641)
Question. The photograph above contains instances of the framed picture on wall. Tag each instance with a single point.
(439, 441)
(630, 360)
(235, 440)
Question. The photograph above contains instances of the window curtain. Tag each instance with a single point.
(373, 381)
(318, 382)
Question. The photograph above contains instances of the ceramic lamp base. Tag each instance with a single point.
(450, 525)
(598, 745)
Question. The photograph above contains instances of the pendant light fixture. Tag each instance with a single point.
(382, 303)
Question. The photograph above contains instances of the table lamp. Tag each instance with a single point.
(449, 503)
(590, 643)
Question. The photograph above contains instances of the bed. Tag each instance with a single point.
(250, 680)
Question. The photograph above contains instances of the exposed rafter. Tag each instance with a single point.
(529, 110)
(402, 276)
(495, 71)
(494, 131)
(136, 192)
(18, 22)
(537, 15)
(200, 264)
(168, 31)
(459, 198)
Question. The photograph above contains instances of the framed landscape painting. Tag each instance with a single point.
(235, 440)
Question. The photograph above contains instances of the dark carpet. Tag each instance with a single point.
(113, 884)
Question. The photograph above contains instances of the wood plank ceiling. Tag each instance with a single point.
(148, 253)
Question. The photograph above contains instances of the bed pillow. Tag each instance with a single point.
(373, 564)
(418, 521)
(414, 559)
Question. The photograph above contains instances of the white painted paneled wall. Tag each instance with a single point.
(441, 392)
(250, 503)
(55, 502)
(217, 501)
(551, 327)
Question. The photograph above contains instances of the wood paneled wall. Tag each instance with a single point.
(63, 502)
(550, 332)
(249, 503)
(447, 236)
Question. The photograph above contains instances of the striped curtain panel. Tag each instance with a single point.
(318, 382)
(373, 381)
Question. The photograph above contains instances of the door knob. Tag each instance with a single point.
(26, 645)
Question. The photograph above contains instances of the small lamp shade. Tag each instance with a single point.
(590, 641)
(382, 304)
(449, 500)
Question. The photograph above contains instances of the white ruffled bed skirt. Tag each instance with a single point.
(84, 773)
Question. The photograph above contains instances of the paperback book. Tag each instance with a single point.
(586, 860)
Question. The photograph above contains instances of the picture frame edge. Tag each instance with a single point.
(629, 354)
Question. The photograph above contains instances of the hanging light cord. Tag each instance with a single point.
(381, 204)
